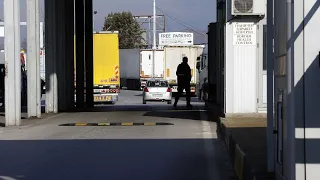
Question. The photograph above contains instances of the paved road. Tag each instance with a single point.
(135, 98)
(187, 150)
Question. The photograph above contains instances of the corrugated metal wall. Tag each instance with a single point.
(245, 79)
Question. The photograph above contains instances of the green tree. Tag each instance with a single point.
(129, 29)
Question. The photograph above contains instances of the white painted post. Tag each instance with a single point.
(33, 56)
(12, 62)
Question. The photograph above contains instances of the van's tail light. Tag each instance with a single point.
(169, 90)
(146, 89)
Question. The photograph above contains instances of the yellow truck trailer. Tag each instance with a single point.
(106, 66)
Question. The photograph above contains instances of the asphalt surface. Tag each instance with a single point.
(186, 150)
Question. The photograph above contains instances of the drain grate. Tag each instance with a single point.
(119, 124)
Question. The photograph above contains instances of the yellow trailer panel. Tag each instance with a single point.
(106, 66)
(106, 59)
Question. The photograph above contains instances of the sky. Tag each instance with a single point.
(195, 14)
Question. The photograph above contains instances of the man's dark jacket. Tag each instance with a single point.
(184, 74)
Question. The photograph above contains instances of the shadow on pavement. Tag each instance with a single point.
(137, 107)
(193, 99)
(181, 114)
(122, 159)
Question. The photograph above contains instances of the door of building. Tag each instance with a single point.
(279, 131)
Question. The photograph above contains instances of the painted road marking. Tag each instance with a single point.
(150, 124)
(119, 124)
(127, 124)
(103, 124)
(81, 124)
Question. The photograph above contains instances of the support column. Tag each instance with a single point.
(50, 45)
(33, 56)
(69, 39)
(79, 11)
(12, 62)
(89, 52)
(61, 54)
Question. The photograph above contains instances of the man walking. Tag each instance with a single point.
(184, 77)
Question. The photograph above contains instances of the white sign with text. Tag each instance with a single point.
(244, 34)
(175, 38)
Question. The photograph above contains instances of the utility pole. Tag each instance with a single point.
(154, 38)
(149, 34)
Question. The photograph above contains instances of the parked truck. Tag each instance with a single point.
(202, 84)
(146, 56)
(106, 81)
(130, 69)
(106, 67)
(173, 57)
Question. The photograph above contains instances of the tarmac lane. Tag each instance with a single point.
(146, 144)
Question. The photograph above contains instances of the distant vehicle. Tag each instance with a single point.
(173, 57)
(146, 56)
(202, 84)
(157, 90)
(106, 67)
(130, 69)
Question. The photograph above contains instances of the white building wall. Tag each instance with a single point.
(262, 73)
(298, 75)
(243, 65)
(312, 87)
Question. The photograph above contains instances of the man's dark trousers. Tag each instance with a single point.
(183, 86)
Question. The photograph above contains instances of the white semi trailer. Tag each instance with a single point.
(173, 57)
(146, 56)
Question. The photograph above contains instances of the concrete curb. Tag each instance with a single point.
(242, 167)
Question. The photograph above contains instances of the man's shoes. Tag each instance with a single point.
(189, 106)
(175, 105)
